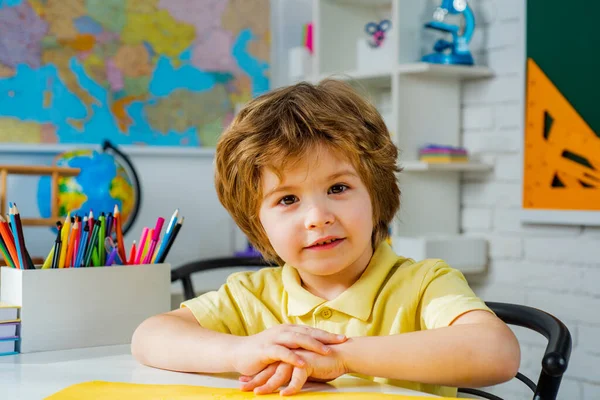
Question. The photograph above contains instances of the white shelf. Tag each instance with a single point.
(464, 253)
(381, 78)
(421, 166)
(439, 70)
(420, 103)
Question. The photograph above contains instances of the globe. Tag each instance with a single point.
(102, 183)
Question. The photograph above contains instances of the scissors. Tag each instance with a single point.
(377, 31)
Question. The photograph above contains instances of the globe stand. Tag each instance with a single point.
(39, 170)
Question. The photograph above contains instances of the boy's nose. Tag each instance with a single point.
(318, 217)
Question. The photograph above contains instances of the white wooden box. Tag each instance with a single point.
(467, 254)
(84, 307)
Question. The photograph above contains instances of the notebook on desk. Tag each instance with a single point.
(100, 390)
(8, 312)
(8, 329)
(8, 346)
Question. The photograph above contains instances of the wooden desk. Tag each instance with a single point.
(38, 375)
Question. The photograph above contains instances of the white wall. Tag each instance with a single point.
(554, 268)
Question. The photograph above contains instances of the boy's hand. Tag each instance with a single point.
(318, 368)
(254, 353)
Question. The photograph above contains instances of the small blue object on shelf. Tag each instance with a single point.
(377, 31)
(457, 51)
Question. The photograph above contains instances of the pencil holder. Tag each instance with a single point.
(84, 307)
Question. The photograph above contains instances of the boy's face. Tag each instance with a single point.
(319, 218)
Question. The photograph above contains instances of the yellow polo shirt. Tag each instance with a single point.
(394, 295)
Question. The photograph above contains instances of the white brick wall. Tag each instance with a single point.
(555, 268)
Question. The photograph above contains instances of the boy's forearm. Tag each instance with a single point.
(457, 356)
(169, 342)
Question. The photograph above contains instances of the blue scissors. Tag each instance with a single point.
(377, 30)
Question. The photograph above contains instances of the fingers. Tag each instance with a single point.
(299, 378)
(319, 334)
(259, 379)
(296, 340)
(281, 376)
(280, 353)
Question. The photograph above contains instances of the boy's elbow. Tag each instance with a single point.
(513, 364)
(507, 369)
(508, 356)
(139, 340)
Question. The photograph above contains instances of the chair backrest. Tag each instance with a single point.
(557, 354)
(185, 271)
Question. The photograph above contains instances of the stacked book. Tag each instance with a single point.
(9, 329)
(443, 154)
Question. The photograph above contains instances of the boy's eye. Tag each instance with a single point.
(339, 188)
(288, 200)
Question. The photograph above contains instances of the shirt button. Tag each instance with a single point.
(326, 313)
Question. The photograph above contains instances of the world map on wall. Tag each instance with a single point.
(150, 72)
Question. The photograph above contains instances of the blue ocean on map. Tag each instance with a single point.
(23, 95)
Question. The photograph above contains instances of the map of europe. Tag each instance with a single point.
(147, 72)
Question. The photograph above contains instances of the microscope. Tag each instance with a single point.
(457, 51)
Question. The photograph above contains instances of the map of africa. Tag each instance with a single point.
(150, 72)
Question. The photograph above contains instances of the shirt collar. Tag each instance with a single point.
(356, 301)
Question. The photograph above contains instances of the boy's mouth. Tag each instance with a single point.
(325, 243)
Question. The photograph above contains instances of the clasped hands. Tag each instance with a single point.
(287, 355)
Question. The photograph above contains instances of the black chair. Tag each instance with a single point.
(554, 362)
(556, 356)
(185, 271)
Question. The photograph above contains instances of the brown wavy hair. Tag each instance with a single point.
(280, 127)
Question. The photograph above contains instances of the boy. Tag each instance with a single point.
(308, 172)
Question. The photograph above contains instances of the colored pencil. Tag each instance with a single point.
(154, 240)
(19, 229)
(101, 237)
(119, 231)
(109, 224)
(165, 238)
(91, 245)
(111, 257)
(6, 233)
(146, 245)
(66, 229)
(21, 237)
(18, 237)
(95, 257)
(57, 246)
(172, 238)
(71, 243)
(5, 254)
(83, 243)
(140, 250)
(73, 257)
(48, 262)
(131, 259)
(91, 220)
